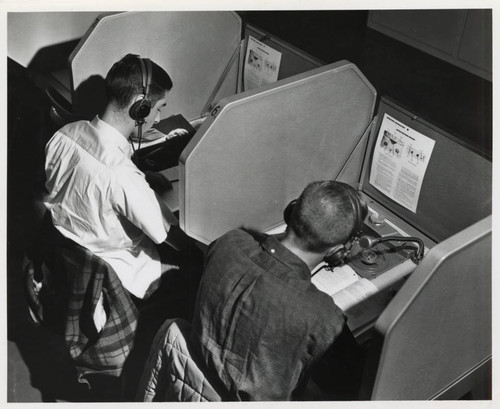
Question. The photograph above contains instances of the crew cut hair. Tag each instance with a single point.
(124, 81)
(323, 216)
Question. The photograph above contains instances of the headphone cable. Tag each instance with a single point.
(135, 154)
(318, 270)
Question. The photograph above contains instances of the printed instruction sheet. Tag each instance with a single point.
(400, 161)
(262, 64)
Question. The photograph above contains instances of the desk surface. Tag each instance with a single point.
(172, 196)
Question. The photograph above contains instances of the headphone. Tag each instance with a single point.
(337, 255)
(141, 108)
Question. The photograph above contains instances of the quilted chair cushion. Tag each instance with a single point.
(171, 374)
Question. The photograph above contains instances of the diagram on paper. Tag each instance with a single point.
(271, 67)
(255, 60)
(391, 144)
(415, 155)
(400, 161)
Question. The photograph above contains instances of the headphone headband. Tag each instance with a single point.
(146, 69)
(359, 208)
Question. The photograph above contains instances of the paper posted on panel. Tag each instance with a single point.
(400, 161)
(262, 64)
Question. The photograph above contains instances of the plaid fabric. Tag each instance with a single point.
(64, 282)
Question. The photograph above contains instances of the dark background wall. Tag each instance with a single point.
(436, 90)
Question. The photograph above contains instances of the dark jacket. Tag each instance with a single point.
(259, 322)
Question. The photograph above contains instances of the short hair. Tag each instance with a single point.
(124, 81)
(324, 215)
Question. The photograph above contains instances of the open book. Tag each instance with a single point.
(343, 284)
(358, 297)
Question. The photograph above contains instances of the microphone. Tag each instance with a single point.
(368, 242)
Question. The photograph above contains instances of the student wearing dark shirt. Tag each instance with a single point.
(260, 325)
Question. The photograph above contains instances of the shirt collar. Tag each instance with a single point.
(113, 135)
(274, 247)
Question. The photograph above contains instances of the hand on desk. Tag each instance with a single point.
(150, 135)
(176, 132)
(158, 182)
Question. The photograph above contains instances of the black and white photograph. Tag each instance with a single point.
(179, 226)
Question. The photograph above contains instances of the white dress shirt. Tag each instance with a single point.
(101, 200)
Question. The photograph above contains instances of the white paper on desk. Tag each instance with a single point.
(400, 161)
(354, 294)
(171, 174)
(262, 64)
(331, 282)
(277, 229)
(362, 313)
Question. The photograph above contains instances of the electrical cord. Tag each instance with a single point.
(318, 270)
(135, 154)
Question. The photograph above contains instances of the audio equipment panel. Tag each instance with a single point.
(371, 262)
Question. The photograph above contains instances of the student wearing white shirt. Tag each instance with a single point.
(96, 194)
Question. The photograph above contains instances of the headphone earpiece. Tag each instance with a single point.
(336, 256)
(141, 108)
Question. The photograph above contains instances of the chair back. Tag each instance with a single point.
(171, 373)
